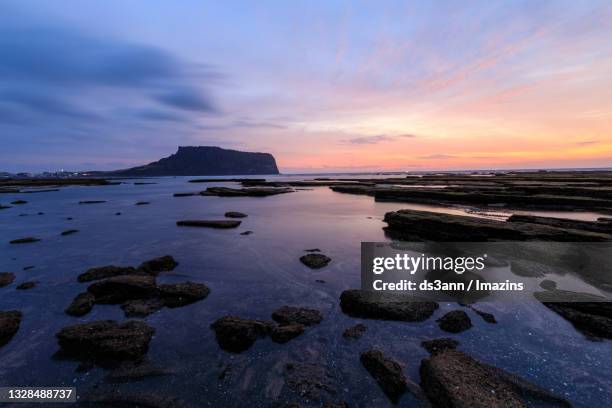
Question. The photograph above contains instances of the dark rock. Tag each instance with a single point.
(455, 321)
(142, 203)
(142, 183)
(453, 379)
(185, 194)
(142, 307)
(6, 278)
(246, 233)
(5, 207)
(69, 232)
(564, 223)
(25, 240)
(236, 334)
(308, 380)
(9, 325)
(69, 218)
(245, 192)
(27, 268)
(548, 284)
(104, 272)
(385, 306)
(487, 317)
(354, 332)
(155, 266)
(19, 202)
(319, 281)
(287, 315)
(81, 305)
(119, 289)
(589, 314)
(27, 285)
(235, 214)
(204, 161)
(209, 223)
(312, 250)
(106, 341)
(529, 269)
(92, 202)
(117, 213)
(181, 294)
(315, 261)
(439, 345)
(387, 373)
(282, 334)
(148, 400)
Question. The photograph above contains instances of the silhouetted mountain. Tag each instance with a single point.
(205, 161)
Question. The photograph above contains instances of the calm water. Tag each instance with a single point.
(250, 276)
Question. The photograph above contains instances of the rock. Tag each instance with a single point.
(209, 223)
(312, 250)
(236, 334)
(387, 373)
(455, 321)
(27, 268)
(5, 207)
(9, 325)
(19, 202)
(142, 183)
(106, 341)
(6, 278)
(27, 285)
(69, 218)
(548, 284)
(119, 289)
(142, 307)
(282, 334)
(92, 202)
(439, 345)
(104, 272)
(25, 240)
(530, 269)
(245, 192)
(386, 306)
(287, 315)
(148, 400)
(142, 203)
(453, 379)
(69, 232)
(320, 281)
(308, 380)
(565, 223)
(315, 261)
(81, 305)
(185, 194)
(155, 266)
(354, 332)
(589, 314)
(181, 294)
(487, 317)
(235, 214)
(246, 233)
(117, 213)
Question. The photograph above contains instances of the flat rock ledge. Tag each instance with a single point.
(386, 306)
(387, 373)
(152, 267)
(219, 224)
(235, 214)
(9, 325)
(245, 192)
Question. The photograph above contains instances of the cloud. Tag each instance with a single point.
(438, 157)
(588, 142)
(188, 99)
(367, 140)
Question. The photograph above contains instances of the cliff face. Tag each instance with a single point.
(206, 161)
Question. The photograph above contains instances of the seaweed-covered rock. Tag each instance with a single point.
(181, 294)
(236, 334)
(235, 214)
(354, 332)
(387, 373)
(455, 321)
(6, 278)
(142, 307)
(386, 306)
(287, 315)
(106, 341)
(119, 289)
(104, 272)
(9, 325)
(219, 224)
(282, 334)
(156, 265)
(315, 261)
(439, 345)
(81, 305)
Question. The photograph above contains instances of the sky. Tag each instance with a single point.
(325, 86)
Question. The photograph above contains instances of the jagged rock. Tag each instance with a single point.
(385, 306)
(308, 380)
(236, 334)
(69, 232)
(315, 261)
(6, 278)
(282, 334)
(119, 289)
(453, 379)
(26, 285)
(181, 294)
(291, 315)
(548, 284)
(589, 314)
(104, 272)
(25, 240)
(354, 332)
(81, 305)
(106, 341)
(387, 373)
(235, 214)
(209, 223)
(142, 307)
(455, 321)
(439, 345)
(155, 266)
(9, 325)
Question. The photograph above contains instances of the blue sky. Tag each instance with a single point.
(323, 85)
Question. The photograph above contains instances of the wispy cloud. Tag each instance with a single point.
(367, 140)
(588, 142)
(438, 157)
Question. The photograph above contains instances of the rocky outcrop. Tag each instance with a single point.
(182, 294)
(104, 272)
(288, 315)
(155, 266)
(142, 307)
(119, 289)
(81, 305)
(6, 278)
(282, 334)
(9, 325)
(564, 223)
(385, 306)
(455, 321)
(387, 373)
(439, 345)
(235, 214)
(236, 334)
(245, 192)
(26, 240)
(315, 261)
(220, 224)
